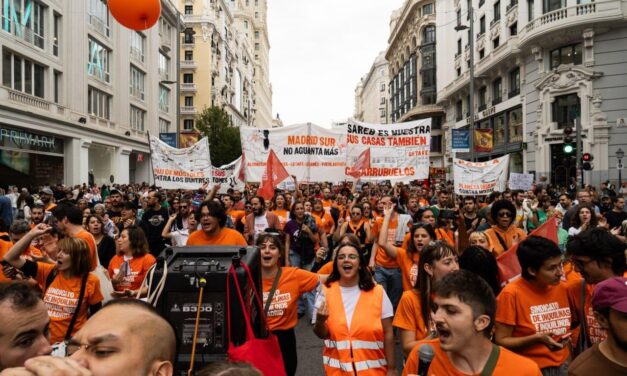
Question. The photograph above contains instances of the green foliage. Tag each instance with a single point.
(224, 140)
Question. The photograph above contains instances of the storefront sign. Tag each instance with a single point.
(26, 140)
(461, 140)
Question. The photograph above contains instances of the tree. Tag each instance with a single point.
(224, 140)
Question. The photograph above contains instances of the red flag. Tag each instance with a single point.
(509, 268)
(242, 169)
(275, 173)
(362, 163)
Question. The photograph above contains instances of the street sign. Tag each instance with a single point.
(461, 140)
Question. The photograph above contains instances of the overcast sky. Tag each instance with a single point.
(319, 49)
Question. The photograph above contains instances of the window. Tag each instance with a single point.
(382, 112)
(530, 10)
(188, 78)
(98, 15)
(256, 34)
(566, 108)
(256, 46)
(497, 11)
(496, 42)
(481, 2)
(481, 25)
(514, 120)
(481, 53)
(468, 5)
(138, 45)
(57, 87)
(138, 118)
(56, 37)
(499, 129)
(189, 9)
(459, 17)
(22, 74)
(25, 19)
(497, 90)
(551, 5)
(98, 103)
(188, 36)
(428, 34)
(188, 124)
(189, 55)
(382, 87)
(164, 98)
(98, 64)
(137, 83)
(165, 29)
(382, 100)
(189, 101)
(513, 30)
(459, 72)
(164, 126)
(427, 9)
(566, 55)
(514, 82)
(246, 24)
(482, 98)
(164, 65)
(256, 14)
(459, 47)
(459, 110)
(436, 144)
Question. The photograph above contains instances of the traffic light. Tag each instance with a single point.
(586, 161)
(569, 148)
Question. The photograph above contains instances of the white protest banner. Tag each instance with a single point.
(398, 152)
(185, 168)
(520, 181)
(227, 176)
(480, 178)
(309, 152)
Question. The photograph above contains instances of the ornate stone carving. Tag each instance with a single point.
(566, 76)
(511, 18)
(481, 43)
(205, 32)
(588, 47)
(495, 31)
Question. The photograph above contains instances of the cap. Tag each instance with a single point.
(47, 191)
(611, 293)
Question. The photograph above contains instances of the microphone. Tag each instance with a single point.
(425, 356)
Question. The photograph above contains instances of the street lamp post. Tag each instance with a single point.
(619, 155)
(471, 84)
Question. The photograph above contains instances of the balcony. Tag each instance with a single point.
(573, 16)
(29, 100)
(188, 88)
(188, 110)
(189, 64)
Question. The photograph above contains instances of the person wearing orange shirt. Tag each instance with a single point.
(327, 200)
(534, 315)
(413, 315)
(61, 282)
(212, 218)
(598, 255)
(129, 267)
(355, 225)
(503, 234)
(282, 310)
(354, 317)
(281, 209)
(36, 215)
(236, 215)
(70, 223)
(464, 307)
(328, 224)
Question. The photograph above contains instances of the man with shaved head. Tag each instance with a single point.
(126, 337)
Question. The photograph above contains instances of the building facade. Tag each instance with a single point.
(411, 55)
(80, 93)
(540, 67)
(372, 95)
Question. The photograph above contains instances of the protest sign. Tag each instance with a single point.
(461, 140)
(227, 176)
(309, 152)
(520, 181)
(480, 178)
(398, 152)
(186, 168)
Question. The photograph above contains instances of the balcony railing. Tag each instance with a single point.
(188, 110)
(99, 25)
(188, 87)
(188, 64)
(29, 100)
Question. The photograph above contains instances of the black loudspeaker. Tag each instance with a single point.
(179, 301)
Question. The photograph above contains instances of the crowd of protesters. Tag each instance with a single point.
(369, 264)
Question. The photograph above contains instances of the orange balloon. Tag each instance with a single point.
(135, 14)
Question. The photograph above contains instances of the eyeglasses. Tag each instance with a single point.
(505, 214)
(351, 257)
(183, 206)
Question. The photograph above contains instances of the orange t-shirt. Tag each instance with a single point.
(282, 313)
(93, 249)
(326, 221)
(510, 237)
(531, 310)
(5, 246)
(236, 216)
(61, 299)
(326, 204)
(139, 268)
(226, 236)
(326, 268)
(283, 215)
(508, 363)
(408, 315)
(382, 258)
(409, 267)
(596, 333)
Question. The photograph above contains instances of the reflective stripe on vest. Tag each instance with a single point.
(359, 366)
(357, 344)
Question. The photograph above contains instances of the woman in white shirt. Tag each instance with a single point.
(179, 237)
(584, 218)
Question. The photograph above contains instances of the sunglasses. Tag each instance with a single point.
(505, 214)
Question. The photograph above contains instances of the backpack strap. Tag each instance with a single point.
(81, 295)
(272, 291)
(49, 279)
(505, 248)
